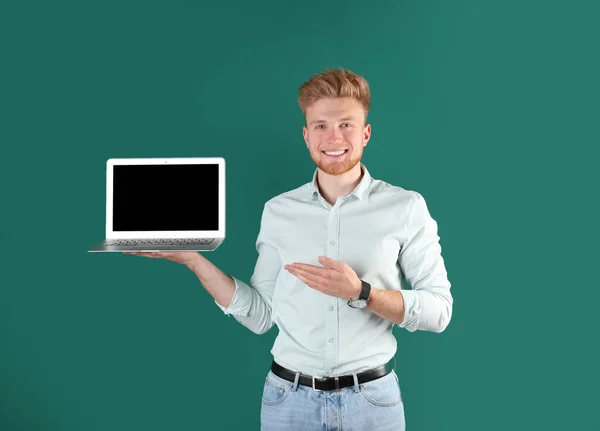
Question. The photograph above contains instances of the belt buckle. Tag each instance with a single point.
(313, 384)
(337, 385)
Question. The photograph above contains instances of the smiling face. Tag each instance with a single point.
(334, 126)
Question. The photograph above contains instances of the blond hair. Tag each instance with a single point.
(334, 83)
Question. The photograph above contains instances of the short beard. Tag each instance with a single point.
(335, 168)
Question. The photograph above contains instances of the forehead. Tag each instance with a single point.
(334, 108)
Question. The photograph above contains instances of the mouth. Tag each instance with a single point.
(335, 154)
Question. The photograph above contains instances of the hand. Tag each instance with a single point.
(184, 257)
(337, 279)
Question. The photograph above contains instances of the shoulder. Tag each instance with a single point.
(392, 193)
(288, 199)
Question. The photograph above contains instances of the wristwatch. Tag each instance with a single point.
(361, 301)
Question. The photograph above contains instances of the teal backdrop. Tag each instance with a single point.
(488, 109)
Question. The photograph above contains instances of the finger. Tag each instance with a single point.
(144, 253)
(334, 264)
(154, 254)
(308, 282)
(311, 269)
(314, 279)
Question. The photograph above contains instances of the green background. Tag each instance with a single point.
(489, 109)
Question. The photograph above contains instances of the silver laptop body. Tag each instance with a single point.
(164, 204)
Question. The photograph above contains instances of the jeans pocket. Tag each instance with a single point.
(275, 391)
(383, 392)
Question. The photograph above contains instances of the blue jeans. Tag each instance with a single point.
(372, 406)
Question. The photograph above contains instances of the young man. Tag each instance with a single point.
(332, 254)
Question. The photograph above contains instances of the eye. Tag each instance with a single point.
(346, 124)
(319, 126)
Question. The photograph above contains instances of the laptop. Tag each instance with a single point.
(164, 204)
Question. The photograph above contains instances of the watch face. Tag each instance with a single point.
(358, 303)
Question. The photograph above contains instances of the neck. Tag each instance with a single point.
(333, 186)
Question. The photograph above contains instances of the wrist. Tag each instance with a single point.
(193, 263)
(357, 288)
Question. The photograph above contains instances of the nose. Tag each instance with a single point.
(335, 136)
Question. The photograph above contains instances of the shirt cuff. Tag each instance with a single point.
(241, 301)
(412, 310)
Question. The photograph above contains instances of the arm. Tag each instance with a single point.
(388, 304)
(428, 306)
(218, 284)
(250, 304)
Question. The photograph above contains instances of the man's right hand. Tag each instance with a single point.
(186, 258)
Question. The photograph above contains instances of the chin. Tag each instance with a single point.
(336, 168)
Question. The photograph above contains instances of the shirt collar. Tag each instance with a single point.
(361, 191)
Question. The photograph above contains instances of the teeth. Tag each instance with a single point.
(335, 153)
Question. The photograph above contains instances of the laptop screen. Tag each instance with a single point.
(166, 197)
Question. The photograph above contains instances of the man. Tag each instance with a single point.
(331, 257)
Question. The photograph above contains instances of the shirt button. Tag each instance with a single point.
(331, 308)
(333, 212)
(331, 340)
(332, 242)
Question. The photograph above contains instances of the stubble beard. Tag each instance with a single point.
(335, 167)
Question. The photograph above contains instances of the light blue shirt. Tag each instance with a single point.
(384, 233)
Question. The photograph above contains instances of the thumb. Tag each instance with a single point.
(329, 262)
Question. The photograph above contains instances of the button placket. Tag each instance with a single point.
(331, 319)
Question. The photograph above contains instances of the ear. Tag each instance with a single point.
(305, 134)
(366, 134)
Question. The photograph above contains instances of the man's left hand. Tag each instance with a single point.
(336, 279)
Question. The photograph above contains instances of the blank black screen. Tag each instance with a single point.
(166, 197)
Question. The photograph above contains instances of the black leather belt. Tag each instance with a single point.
(331, 383)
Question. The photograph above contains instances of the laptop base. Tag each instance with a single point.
(104, 247)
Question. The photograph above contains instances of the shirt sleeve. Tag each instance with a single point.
(251, 303)
(428, 306)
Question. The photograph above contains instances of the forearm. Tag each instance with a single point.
(388, 304)
(218, 284)
(427, 311)
(250, 308)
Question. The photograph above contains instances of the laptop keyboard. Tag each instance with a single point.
(161, 241)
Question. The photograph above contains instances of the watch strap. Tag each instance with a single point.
(366, 291)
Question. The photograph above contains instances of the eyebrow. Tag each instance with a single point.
(323, 121)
